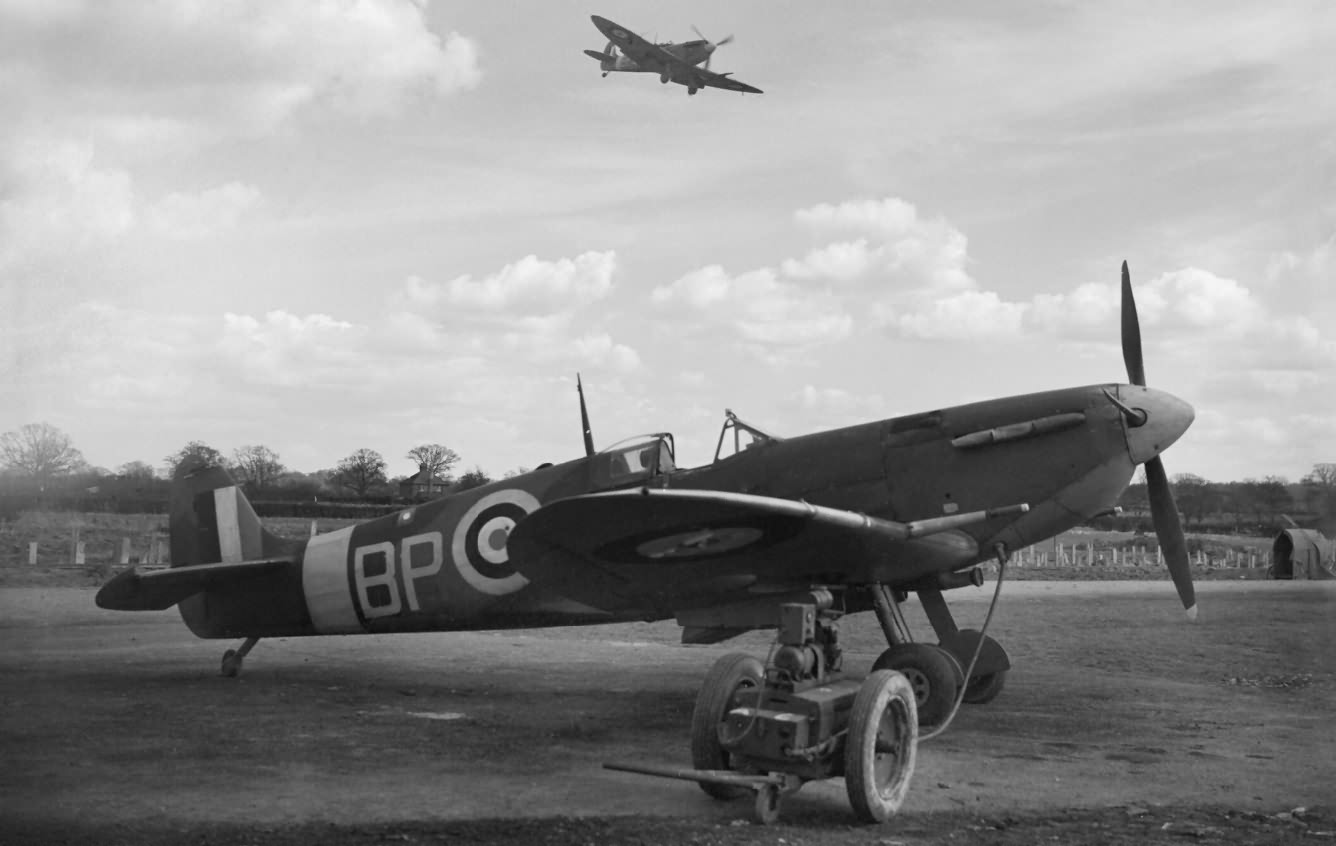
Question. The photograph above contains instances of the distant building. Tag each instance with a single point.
(423, 485)
(1303, 554)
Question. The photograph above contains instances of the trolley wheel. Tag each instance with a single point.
(768, 797)
(881, 747)
(934, 675)
(984, 689)
(733, 681)
(231, 667)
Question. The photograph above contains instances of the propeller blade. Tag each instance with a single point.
(1136, 368)
(727, 39)
(1169, 530)
(699, 34)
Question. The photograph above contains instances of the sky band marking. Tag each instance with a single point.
(229, 530)
(329, 598)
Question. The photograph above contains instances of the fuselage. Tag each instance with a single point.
(443, 565)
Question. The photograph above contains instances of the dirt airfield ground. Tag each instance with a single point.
(1121, 722)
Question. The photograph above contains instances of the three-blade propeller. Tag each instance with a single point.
(1163, 511)
(710, 45)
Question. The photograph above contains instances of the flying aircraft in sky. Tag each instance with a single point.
(865, 514)
(673, 62)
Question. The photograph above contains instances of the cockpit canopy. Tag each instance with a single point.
(634, 460)
(737, 437)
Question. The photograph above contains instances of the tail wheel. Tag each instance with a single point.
(231, 667)
(934, 675)
(734, 681)
(882, 746)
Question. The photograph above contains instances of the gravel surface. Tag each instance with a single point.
(1121, 722)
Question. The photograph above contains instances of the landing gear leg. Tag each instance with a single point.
(936, 672)
(233, 658)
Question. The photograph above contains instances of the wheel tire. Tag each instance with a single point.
(719, 694)
(933, 674)
(984, 689)
(881, 747)
(231, 664)
(768, 797)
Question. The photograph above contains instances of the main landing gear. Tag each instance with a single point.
(233, 658)
(936, 672)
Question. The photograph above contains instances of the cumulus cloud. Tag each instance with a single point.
(93, 91)
(841, 261)
(757, 306)
(58, 200)
(181, 215)
(888, 218)
(233, 67)
(530, 286)
(600, 349)
(969, 314)
(913, 255)
(285, 349)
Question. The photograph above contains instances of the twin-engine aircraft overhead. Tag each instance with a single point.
(862, 515)
(673, 62)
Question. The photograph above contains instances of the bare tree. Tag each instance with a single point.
(435, 458)
(360, 472)
(1320, 491)
(257, 466)
(40, 452)
(1323, 475)
(194, 449)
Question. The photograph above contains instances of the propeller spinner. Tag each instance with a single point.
(1163, 510)
(710, 46)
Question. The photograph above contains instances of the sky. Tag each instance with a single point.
(327, 226)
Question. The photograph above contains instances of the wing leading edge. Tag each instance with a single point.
(722, 80)
(669, 549)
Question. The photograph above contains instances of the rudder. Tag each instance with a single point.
(211, 519)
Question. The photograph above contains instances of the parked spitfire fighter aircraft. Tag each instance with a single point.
(672, 62)
(866, 513)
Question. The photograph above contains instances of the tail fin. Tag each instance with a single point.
(212, 521)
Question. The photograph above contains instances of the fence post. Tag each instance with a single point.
(79, 552)
(32, 553)
(313, 530)
(125, 550)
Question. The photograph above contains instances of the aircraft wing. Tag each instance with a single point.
(157, 590)
(722, 80)
(643, 52)
(672, 549)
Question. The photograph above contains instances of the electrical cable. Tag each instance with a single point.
(978, 648)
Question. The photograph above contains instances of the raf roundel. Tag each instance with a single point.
(479, 544)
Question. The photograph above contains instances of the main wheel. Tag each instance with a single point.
(933, 674)
(733, 681)
(881, 747)
(984, 689)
